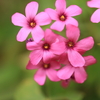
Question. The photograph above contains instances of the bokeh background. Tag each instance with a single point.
(16, 83)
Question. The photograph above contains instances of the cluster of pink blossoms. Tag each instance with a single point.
(54, 56)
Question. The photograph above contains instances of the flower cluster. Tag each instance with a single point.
(57, 57)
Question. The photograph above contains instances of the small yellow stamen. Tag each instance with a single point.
(46, 66)
(46, 47)
(70, 44)
(32, 24)
(62, 17)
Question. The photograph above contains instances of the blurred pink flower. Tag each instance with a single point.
(31, 23)
(45, 69)
(74, 48)
(62, 15)
(95, 18)
(77, 73)
(46, 49)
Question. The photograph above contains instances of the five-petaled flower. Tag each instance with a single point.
(45, 69)
(63, 15)
(46, 49)
(31, 23)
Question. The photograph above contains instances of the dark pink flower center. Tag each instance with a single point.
(62, 17)
(46, 66)
(70, 44)
(46, 46)
(31, 23)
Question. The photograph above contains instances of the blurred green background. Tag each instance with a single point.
(16, 83)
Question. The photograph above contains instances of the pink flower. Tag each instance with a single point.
(74, 48)
(62, 15)
(77, 73)
(31, 23)
(95, 18)
(47, 49)
(45, 69)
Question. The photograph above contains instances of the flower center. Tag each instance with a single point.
(46, 46)
(32, 24)
(46, 66)
(70, 44)
(62, 17)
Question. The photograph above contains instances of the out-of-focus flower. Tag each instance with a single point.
(63, 15)
(30, 23)
(95, 18)
(45, 69)
(46, 49)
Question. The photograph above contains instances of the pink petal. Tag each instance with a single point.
(73, 10)
(95, 18)
(52, 13)
(60, 5)
(94, 3)
(89, 60)
(75, 58)
(65, 73)
(23, 34)
(43, 19)
(85, 44)
(40, 76)
(30, 66)
(65, 83)
(33, 46)
(58, 26)
(72, 32)
(47, 56)
(52, 75)
(36, 56)
(58, 48)
(31, 9)
(49, 36)
(55, 65)
(18, 19)
(37, 33)
(72, 21)
(80, 75)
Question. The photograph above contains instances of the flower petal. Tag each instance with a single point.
(75, 58)
(42, 19)
(31, 9)
(58, 26)
(65, 73)
(52, 75)
(36, 56)
(23, 34)
(85, 44)
(30, 66)
(18, 19)
(55, 64)
(52, 13)
(94, 3)
(49, 36)
(60, 5)
(73, 10)
(80, 75)
(40, 76)
(37, 33)
(72, 32)
(34, 46)
(89, 60)
(95, 18)
(47, 56)
(58, 48)
(72, 21)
